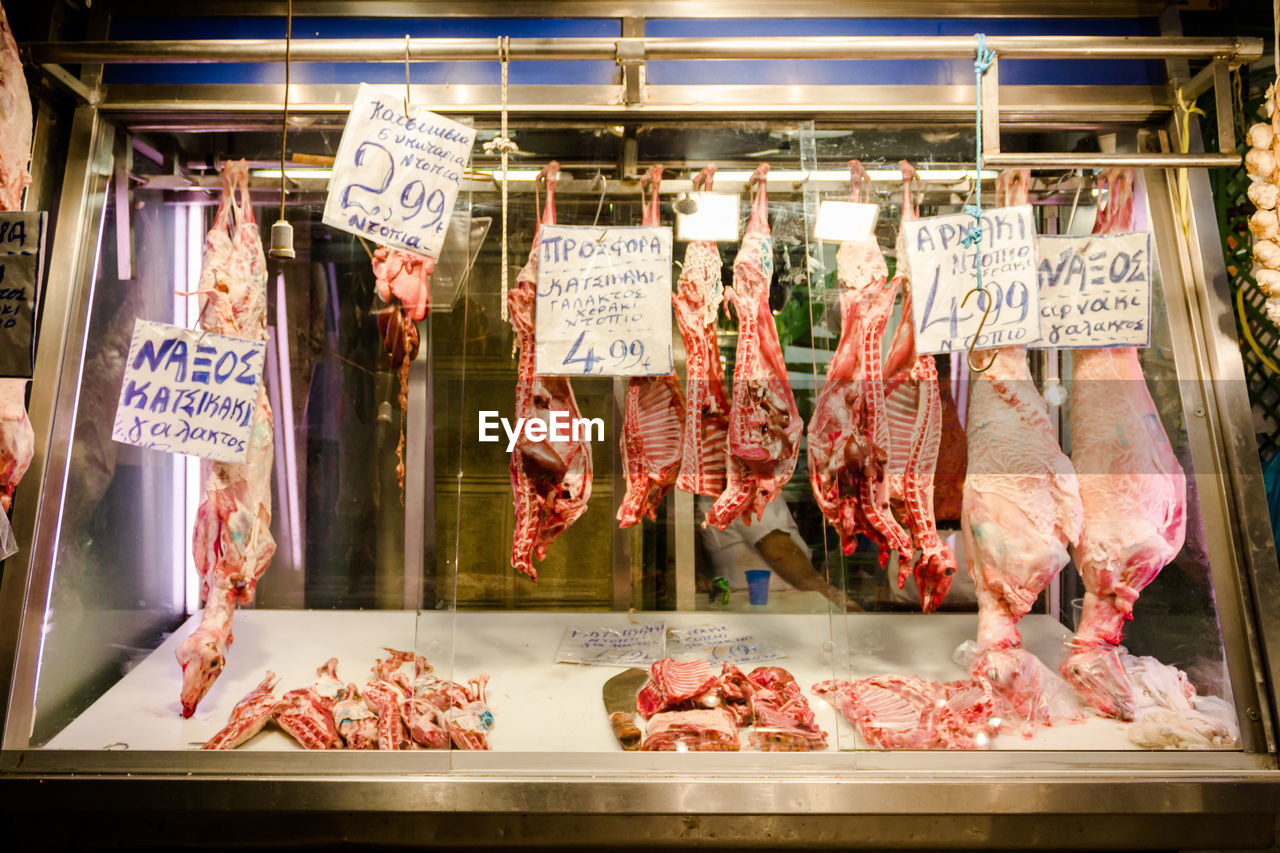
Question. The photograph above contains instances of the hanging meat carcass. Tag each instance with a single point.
(849, 431)
(1133, 491)
(914, 404)
(17, 439)
(1021, 505)
(551, 481)
(404, 284)
(232, 542)
(652, 422)
(764, 423)
(697, 299)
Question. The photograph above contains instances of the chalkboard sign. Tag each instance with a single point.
(396, 175)
(189, 392)
(1095, 290)
(943, 271)
(604, 301)
(21, 271)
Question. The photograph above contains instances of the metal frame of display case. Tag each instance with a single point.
(838, 799)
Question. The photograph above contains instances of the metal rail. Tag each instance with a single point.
(1233, 50)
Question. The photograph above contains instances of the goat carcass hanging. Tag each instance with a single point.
(849, 431)
(404, 284)
(652, 423)
(914, 403)
(1133, 491)
(232, 542)
(764, 423)
(551, 481)
(706, 414)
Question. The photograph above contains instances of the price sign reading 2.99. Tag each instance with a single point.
(396, 175)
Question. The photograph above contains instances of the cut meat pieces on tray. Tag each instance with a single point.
(551, 481)
(697, 299)
(652, 421)
(231, 543)
(692, 731)
(764, 423)
(672, 685)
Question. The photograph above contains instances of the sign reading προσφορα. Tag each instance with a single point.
(190, 392)
(1095, 290)
(604, 301)
(633, 645)
(21, 271)
(396, 174)
(943, 271)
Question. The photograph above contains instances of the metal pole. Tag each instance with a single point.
(1234, 50)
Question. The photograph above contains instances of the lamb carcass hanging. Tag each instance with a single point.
(697, 299)
(404, 284)
(914, 404)
(849, 431)
(1133, 491)
(1021, 506)
(232, 542)
(653, 420)
(17, 439)
(551, 481)
(764, 423)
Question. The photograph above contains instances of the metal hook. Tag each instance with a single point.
(604, 187)
(983, 322)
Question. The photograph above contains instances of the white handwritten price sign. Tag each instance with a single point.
(604, 301)
(396, 175)
(189, 392)
(943, 270)
(634, 645)
(719, 644)
(1095, 290)
(21, 271)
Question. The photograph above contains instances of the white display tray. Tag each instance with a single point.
(538, 705)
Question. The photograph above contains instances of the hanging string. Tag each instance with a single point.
(284, 118)
(1186, 109)
(983, 57)
(505, 148)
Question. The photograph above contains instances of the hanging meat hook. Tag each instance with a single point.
(981, 323)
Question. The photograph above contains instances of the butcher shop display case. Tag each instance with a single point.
(667, 440)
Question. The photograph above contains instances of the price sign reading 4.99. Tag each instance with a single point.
(396, 175)
(604, 301)
(943, 271)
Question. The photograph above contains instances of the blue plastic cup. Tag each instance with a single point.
(758, 585)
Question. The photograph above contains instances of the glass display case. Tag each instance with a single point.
(791, 650)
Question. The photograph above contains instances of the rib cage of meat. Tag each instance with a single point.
(404, 283)
(697, 299)
(231, 543)
(764, 423)
(1133, 493)
(652, 422)
(849, 431)
(17, 439)
(1021, 505)
(914, 403)
(551, 481)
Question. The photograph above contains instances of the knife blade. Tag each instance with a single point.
(620, 703)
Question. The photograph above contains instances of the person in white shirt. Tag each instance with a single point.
(771, 542)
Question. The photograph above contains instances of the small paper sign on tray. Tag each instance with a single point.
(715, 217)
(633, 645)
(719, 644)
(1095, 290)
(190, 392)
(604, 301)
(21, 271)
(846, 221)
(943, 272)
(396, 175)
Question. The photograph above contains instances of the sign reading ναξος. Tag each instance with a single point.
(1095, 290)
